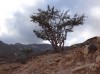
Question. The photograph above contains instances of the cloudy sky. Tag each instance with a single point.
(15, 25)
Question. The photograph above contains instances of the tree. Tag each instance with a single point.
(55, 25)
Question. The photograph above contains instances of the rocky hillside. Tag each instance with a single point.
(81, 58)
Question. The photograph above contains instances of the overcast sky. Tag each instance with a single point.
(15, 25)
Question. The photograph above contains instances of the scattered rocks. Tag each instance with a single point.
(84, 59)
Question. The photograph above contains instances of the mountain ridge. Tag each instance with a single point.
(12, 51)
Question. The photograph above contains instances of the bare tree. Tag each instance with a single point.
(55, 25)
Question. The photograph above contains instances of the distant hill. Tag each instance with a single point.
(12, 51)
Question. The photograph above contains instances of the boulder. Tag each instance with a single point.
(80, 69)
(78, 63)
(90, 49)
(97, 63)
(84, 69)
(98, 59)
(86, 50)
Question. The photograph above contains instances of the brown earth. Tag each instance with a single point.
(81, 58)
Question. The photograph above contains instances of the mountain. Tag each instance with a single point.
(6, 50)
(16, 51)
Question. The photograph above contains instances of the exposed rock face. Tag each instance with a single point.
(92, 48)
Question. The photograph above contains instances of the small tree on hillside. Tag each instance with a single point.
(55, 25)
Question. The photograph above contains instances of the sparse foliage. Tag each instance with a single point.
(55, 25)
(27, 51)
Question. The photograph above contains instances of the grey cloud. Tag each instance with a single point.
(22, 25)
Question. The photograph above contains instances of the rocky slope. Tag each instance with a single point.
(81, 58)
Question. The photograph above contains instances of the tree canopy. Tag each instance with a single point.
(55, 25)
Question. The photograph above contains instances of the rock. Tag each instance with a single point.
(78, 70)
(58, 59)
(79, 57)
(84, 69)
(97, 65)
(92, 48)
(98, 39)
(93, 40)
(68, 64)
(53, 72)
(78, 63)
(89, 49)
(98, 59)
(86, 50)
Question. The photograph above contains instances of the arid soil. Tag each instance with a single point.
(81, 58)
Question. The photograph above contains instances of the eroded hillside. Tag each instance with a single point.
(81, 58)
